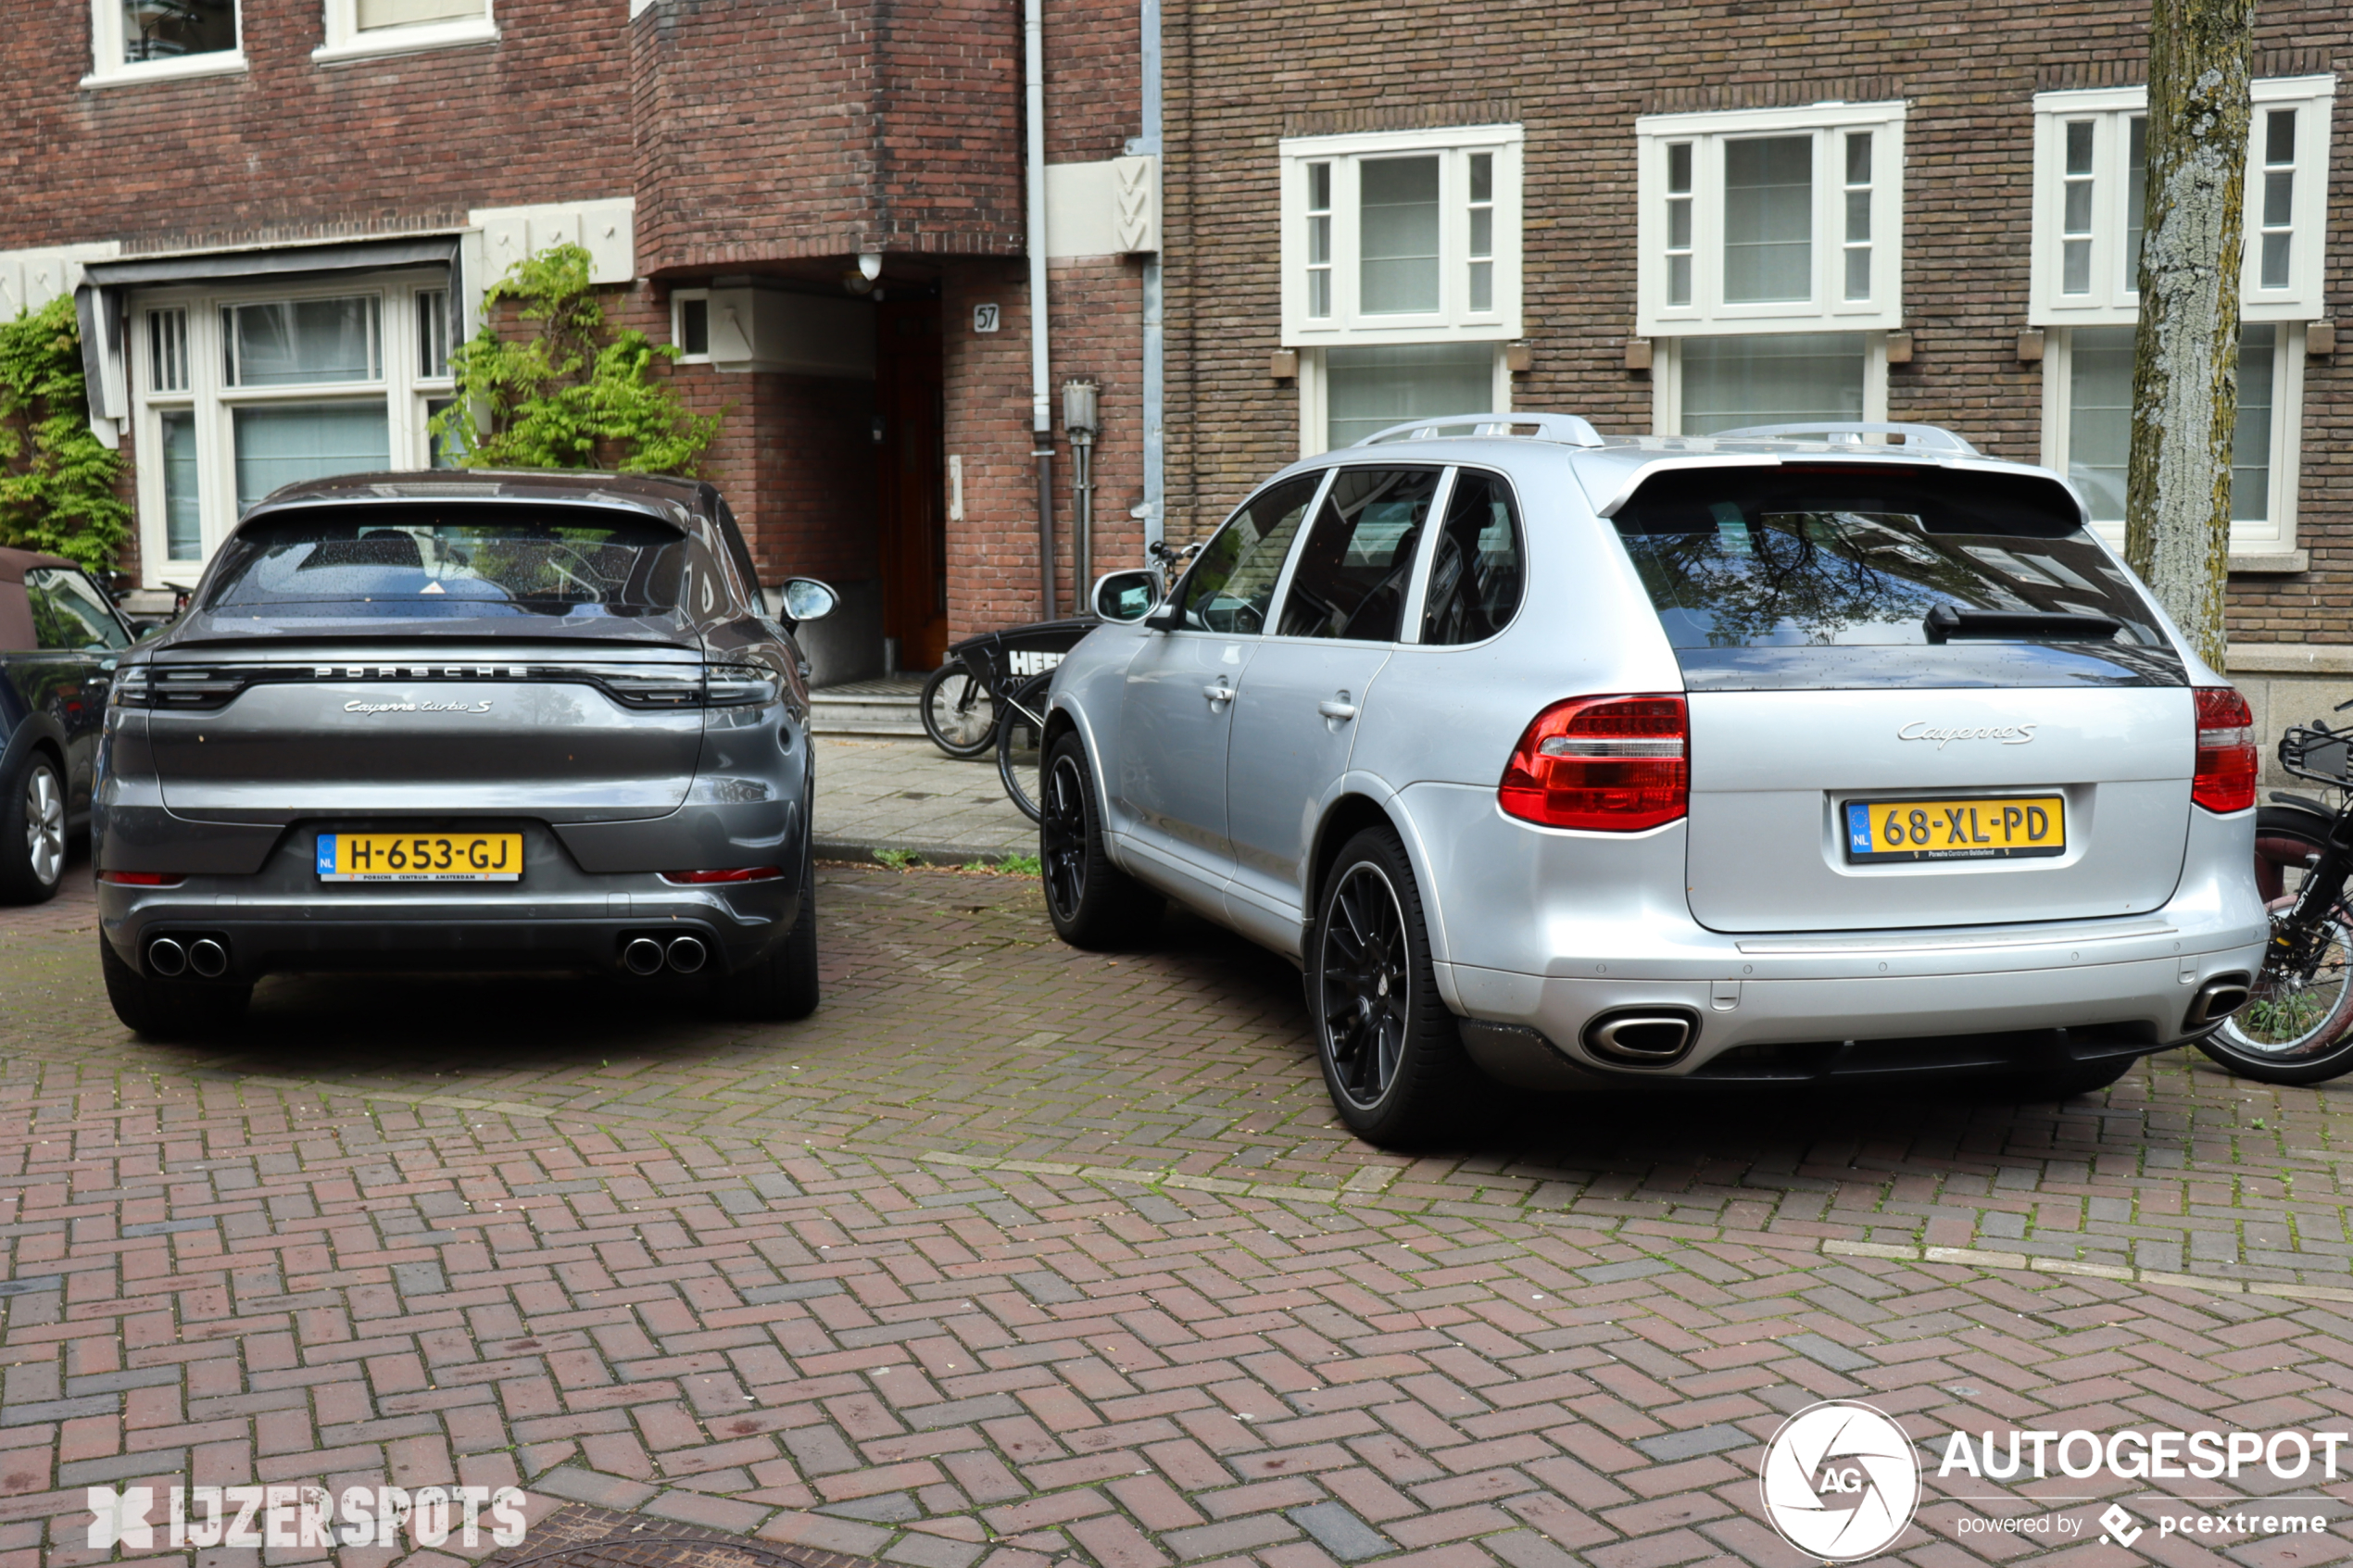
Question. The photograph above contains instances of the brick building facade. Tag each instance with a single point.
(279, 214)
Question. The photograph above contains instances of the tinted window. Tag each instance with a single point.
(1231, 586)
(438, 563)
(70, 612)
(1353, 569)
(1475, 573)
(1791, 556)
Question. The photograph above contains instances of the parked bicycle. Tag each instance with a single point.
(2297, 1026)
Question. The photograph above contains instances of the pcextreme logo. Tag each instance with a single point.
(1841, 1481)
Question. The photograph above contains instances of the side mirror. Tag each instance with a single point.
(808, 599)
(1124, 596)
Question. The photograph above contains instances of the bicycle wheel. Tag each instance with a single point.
(2296, 1024)
(957, 713)
(1020, 730)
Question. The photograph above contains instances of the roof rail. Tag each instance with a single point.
(1935, 438)
(1567, 428)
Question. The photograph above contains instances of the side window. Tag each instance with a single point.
(1231, 586)
(1475, 577)
(1353, 569)
(70, 613)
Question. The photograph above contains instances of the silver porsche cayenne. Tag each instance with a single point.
(462, 720)
(1842, 753)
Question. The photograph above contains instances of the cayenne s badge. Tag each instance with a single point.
(2008, 734)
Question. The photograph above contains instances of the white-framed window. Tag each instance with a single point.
(157, 39)
(1400, 237)
(690, 325)
(1348, 391)
(386, 27)
(2089, 173)
(240, 390)
(2087, 427)
(1712, 381)
(1761, 221)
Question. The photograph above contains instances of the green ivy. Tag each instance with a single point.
(57, 479)
(561, 398)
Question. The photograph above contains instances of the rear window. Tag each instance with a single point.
(438, 563)
(1792, 563)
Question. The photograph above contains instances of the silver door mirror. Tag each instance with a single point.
(808, 599)
(1124, 595)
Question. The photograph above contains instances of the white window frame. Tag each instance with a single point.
(1827, 310)
(678, 298)
(1667, 379)
(2274, 535)
(1315, 398)
(2112, 302)
(404, 392)
(346, 41)
(1454, 322)
(108, 68)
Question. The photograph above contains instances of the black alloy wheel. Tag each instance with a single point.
(1391, 1053)
(1091, 902)
(1061, 832)
(1366, 987)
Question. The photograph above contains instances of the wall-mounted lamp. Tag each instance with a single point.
(869, 269)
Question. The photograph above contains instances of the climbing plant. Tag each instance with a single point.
(57, 479)
(560, 396)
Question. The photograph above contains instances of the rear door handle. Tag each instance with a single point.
(1340, 710)
(1218, 693)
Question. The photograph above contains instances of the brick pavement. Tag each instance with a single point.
(1022, 1258)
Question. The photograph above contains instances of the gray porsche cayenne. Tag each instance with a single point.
(463, 721)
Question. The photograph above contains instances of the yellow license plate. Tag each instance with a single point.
(2000, 827)
(420, 857)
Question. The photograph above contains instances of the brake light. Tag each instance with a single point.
(730, 874)
(143, 879)
(2225, 779)
(1612, 764)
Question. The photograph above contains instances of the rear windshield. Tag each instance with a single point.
(442, 563)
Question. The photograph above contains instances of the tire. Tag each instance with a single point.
(1019, 730)
(33, 831)
(166, 1010)
(957, 713)
(782, 987)
(1092, 903)
(1391, 1055)
(2292, 1030)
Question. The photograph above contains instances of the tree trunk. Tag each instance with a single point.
(2177, 491)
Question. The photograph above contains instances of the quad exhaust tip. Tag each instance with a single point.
(2216, 1000)
(1642, 1037)
(167, 957)
(687, 954)
(642, 956)
(207, 958)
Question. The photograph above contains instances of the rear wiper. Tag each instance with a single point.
(1946, 623)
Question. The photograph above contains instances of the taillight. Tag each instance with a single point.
(143, 879)
(2225, 780)
(1615, 764)
(731, 873)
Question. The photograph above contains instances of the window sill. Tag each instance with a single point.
(2270, 563)
(227, 62)
(406, 40)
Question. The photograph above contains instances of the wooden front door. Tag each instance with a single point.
(912, 482)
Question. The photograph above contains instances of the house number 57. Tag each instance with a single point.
(984, 318)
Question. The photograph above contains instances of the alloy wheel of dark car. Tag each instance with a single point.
(1366, 984)
(32, 855)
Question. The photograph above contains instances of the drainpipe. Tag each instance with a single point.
(1042, 416)
(1156, 365)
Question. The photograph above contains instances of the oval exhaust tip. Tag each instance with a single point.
(166, 956)
(1641, 1039)
(2216, 1000)
(642, 956)
(207, 958)
(685, 954)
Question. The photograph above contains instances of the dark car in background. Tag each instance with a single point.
(488, 721)
(59, 639)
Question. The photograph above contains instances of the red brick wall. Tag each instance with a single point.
(1239, 79)
(1093, 97)
(992, 554)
